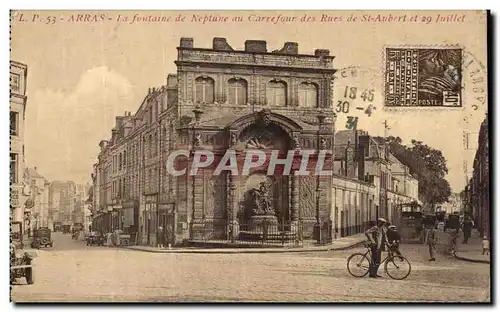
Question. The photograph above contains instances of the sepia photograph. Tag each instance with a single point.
(249, 156)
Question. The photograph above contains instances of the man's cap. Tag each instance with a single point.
(382, 220)
(392, 226)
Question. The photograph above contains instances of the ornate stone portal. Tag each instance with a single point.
(255, 206)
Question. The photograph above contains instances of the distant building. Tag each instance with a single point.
(19, 190)
(40, 196)
(62, 200)
(478, 189)
(369, 182)
(454, 204)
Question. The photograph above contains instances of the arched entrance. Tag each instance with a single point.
(266, 139)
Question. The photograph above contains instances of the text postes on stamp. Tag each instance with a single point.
(423, 77)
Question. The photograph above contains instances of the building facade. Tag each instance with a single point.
(40, 196)
(478, 189)
(19, 190)
(369, 182)
(219, 99)
(61, 201)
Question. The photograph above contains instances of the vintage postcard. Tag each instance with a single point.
(249, 156)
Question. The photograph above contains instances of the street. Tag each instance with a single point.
(71, 271)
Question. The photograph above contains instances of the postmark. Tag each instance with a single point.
(356, 96)
(423, 77)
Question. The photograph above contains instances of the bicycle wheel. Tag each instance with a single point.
(398, 268)
(358, 264)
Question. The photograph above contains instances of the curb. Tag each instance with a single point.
(471, 260)
(245, 250)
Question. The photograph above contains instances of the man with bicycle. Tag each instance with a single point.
(378, 238)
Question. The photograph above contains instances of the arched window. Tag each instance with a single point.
(204, 90)
(237, 91)
(276, 93)
(308, 95)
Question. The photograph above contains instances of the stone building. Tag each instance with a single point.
(369, 182)
(19, 190)
(220, 99)
(478, 190)
(40, 196)
(61, 201)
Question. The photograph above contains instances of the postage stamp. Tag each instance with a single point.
(423, 77)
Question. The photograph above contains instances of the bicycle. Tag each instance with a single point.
(389, 263)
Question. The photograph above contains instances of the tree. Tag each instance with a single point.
(427, 164)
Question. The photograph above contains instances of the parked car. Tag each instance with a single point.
(95, 238)
(42, 237)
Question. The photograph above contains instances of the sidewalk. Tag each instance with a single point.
(338, 244)
(473, 250)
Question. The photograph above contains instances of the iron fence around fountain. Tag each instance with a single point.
(221, 233)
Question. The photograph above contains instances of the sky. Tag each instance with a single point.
(81, 74)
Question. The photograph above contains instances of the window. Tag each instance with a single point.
(276, 93)
(237, 91)
(13, 168)
(14, 82)
(204, 90)
(150, 145)
(155, 145)
(150, 178)
(308, 95)
(124, 160)
(14, 123)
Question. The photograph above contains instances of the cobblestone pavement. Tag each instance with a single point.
(74, 272)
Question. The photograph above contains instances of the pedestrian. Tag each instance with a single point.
(394, 238)
(431, 240)
(169, 235)
(160, 237)
(378, 238)
(486, 246)
(467, 229)
(453, 241)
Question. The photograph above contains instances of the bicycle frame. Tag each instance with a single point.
(389, 257)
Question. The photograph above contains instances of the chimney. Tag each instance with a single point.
(171, 80)
(187, 43)
(363, 145)
(321, 52)
(221, 44)
(290, 48)
(119, 121)
(256, 46)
